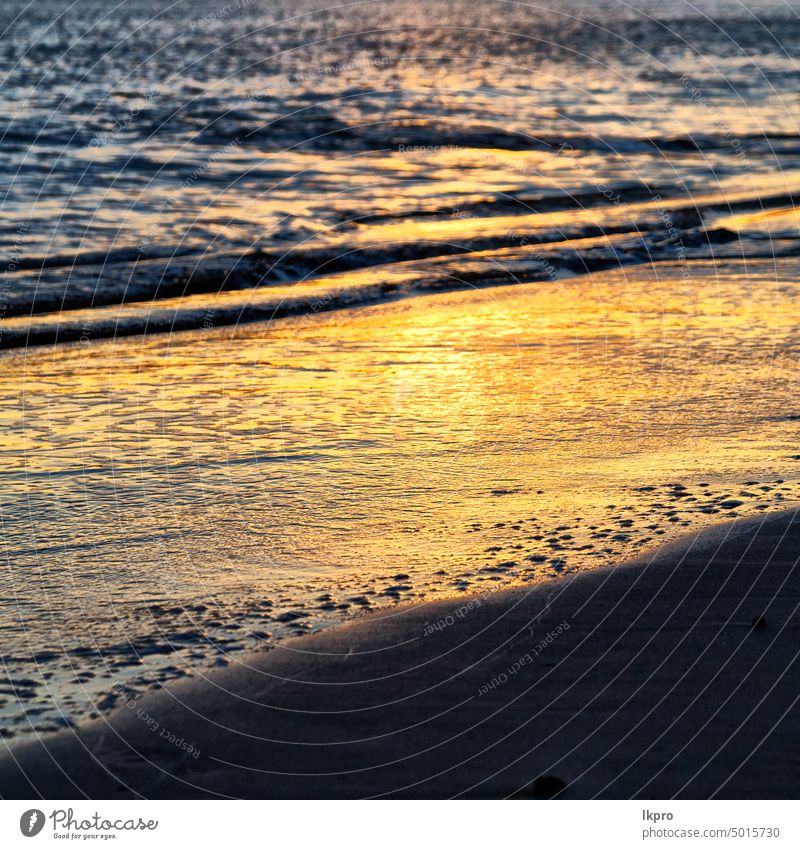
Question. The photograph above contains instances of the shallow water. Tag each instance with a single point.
(169, 500)
(372, 436)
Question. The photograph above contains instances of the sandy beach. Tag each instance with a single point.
(400, 401)
(672, 676)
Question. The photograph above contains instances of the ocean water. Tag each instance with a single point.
(260, 142)
(312, 310)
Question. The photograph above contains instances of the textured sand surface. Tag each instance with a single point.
(648, 680)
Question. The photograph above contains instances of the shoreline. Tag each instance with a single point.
(203, 307)
(675, 676)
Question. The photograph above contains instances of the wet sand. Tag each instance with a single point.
(673, 676)
(347, 480)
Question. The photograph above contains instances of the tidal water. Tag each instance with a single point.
(309, 311)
